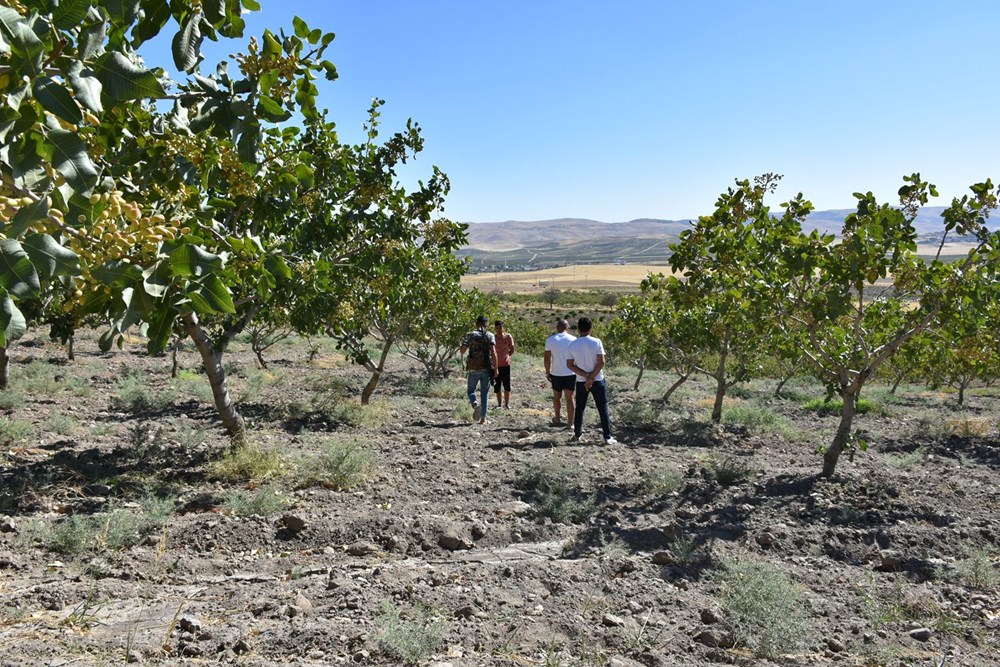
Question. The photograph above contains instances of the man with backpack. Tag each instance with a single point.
(481, 365)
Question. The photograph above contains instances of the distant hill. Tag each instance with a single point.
(540, 243)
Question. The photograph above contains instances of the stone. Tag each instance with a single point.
(671, 531)
(189, 624)
(451, 540)
(612, 621)
(523, 434)
(514, 508)
(835, 645)
(766, 539)
(663, 558)
(709, 616)
(361, 548)
(293, 524)
(921, 634)
(304, 605)
(241, 646)
(715, 639)
(7, 525)
(891, 560)
(468, 611)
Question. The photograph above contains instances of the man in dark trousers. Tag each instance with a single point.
(586, 359)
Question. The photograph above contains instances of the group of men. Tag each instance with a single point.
(574, 366)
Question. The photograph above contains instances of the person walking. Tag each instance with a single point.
(481, 365)
(586, 359)
(562, 379)
(505, 348)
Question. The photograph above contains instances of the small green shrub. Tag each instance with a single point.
(14, 431)
(132, 394)
(557, 492)
(114, 530)
(62, 424)
(760, 421)
(639, 414)
(906, 460)
(729, 470)
(339, 465)
(11, 398)
(265, 501)
(977, 569)
(764, 607)
(411, 635)
(249, 462)
(661, 479)
(835, 406)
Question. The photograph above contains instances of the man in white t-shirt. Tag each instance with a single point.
(562, 379)
(586, 359)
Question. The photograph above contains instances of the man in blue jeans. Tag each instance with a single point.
(586, 360)
(481, 365)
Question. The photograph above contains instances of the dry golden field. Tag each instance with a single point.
(581, 276)
(615, 277)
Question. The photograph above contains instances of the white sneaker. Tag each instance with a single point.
(575, 439)
(611, 441)
(477, 413)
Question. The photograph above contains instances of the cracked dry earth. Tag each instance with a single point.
(446, 550)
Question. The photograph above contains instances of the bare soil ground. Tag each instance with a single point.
(126, 534)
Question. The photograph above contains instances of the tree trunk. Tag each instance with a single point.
(69, 349)
(212, 360)
(895, 385)
(681, 380)
(4, 368)
(366, 394)
(843, 436)
(789, 376)
(173, 358)
(961, 392)
(638, 378)
(720, 380)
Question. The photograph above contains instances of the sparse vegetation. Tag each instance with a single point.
(249, 462)
(340, 465)
(660, 480)
(410, 635)
(265, 501)
(760, 421)
(556, 490)
(764, 607)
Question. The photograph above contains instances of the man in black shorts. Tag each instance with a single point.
(563, 380)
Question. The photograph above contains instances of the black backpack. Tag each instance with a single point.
(479, 352)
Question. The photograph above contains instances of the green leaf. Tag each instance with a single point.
(68, 14)
(301, 28)
(117, 273)
(124, 80)
(9, 22)
(251, 5)
(215, 11)
(86, 86)
(50, 258)
(12, 324)
(55, 99)
(161, 327)
(210, 295)
(277, 266)
(70, 158)
(122, 12)
(271, 111)
(193, 261)
(17, 275)
(92, 38)
(156, 13)
(25, 216)
(186, 44)
(156, 280)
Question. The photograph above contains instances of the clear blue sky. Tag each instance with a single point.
(615, 111)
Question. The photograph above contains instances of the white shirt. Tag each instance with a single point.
(583, 351)
(558, 345)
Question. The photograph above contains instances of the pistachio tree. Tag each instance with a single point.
(69, 78)
(721, 295)
(434, 338)
(850, 304)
